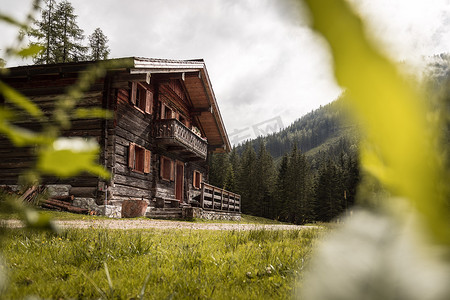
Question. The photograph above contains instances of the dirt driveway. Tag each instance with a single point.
(159, 224)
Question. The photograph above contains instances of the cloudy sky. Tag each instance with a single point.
(265, 64)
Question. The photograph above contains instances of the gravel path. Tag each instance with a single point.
(158, 224)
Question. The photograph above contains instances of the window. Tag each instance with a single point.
(139, 158)
(197, 180)
(141, 98)
(168, 113)
(166, 168)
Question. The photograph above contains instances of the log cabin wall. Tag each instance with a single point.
(131, 132)
(44, 90)
(174, 103)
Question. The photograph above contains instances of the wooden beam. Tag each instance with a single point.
(216, 147)
(121, 80)
(172, 76)
(200, 110)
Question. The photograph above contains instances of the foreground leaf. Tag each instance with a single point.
(68, 157)
(400, 148)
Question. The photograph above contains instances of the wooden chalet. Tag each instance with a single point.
(166, 122)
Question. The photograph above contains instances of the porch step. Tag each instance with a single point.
(165, 213)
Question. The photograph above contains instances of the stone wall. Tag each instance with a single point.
(197, 212)
(111, 211)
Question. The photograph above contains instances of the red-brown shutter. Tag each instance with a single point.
(131, 155)
(148, 102)
(133, 92)
(163, 111)
(194, 179)
(172, 172)
(147, 161)
(199, 180)
(161, 167)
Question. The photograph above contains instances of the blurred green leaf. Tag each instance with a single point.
(68, 157)
(20, 136)
(11, 20)
(400, 147)
(13, 96)
(32, 50)
(39, 220)
(92, 113)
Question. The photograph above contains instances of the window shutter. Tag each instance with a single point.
(161, 167)
(147, 161)
(163, 111)
(172, 173)
(131, 155)
(133, 92)
(148, 102)
(194, 179)
(199, 180)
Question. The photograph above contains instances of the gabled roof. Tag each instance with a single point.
(192, 72)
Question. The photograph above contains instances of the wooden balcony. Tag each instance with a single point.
(214, 198)
(177, 137)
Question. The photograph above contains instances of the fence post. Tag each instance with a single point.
(202, 196)
(213, 197)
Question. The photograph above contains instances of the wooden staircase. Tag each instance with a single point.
(165, 213)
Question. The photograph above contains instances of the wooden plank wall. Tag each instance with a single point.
(44, 92)
(131, 126)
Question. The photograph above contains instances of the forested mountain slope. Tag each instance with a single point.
(326, 130)
(309, 171)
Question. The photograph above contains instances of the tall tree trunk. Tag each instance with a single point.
(65, 40)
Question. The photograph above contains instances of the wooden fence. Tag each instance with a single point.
(214, 198)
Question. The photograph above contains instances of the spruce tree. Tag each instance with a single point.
(59, 34)
(247, 180)
(280, 193)
(234, 160)
(97, 44)
(265, 179)
(298, 207)
(45, 33)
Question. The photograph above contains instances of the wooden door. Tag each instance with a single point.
(179, 181)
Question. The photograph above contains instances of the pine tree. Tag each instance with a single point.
(329, 192)
(97, 44)
(280, 193)
(265, 179)
(234, 160)
(45, 33)
(59, 34)
(70, 36)
(297, 208)
(247, 180)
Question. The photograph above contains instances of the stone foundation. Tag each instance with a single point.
(111, 211)
(197, 212)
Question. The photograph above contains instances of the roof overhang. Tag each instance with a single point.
(198, 86)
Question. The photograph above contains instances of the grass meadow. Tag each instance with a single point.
(155, 264)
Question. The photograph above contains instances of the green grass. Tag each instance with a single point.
(62, 215)
(174, 264)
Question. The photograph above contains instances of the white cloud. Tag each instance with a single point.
(262, 60)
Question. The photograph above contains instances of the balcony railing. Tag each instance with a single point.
(215, 198)
(174, 133)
